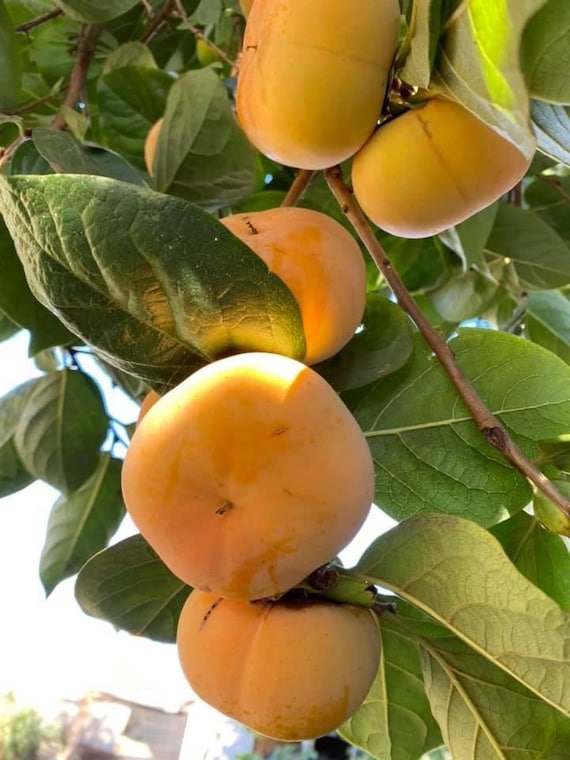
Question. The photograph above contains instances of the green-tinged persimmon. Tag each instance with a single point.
(288, 670)
(313, 77)
(248, 476)
(431, 168)
(322, 265)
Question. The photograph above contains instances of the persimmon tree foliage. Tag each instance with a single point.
(114, 260)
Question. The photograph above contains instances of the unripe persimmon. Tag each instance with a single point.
(289, 670)
(248, 476)
(321, 264)
(150, 145)
(313, 77)
(432, 167)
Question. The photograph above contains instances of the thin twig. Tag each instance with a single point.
(299, 185)
(555, 185)
(38, 20)
(199, 35)
(85, 50)
(158, 21)
(494, 433)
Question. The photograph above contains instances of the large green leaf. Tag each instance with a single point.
(540, 256)
(94, 11)
(427, 451)
(129, 586)
(478, 64)
(484, 713)
(458, 573)
(20, 305)
(395, 721)
(545, 52)
(541, 556)
(13, 473)
(82, 523)
(157, 286)
(61, 429)
(10, 62)
(202, 154)
(547, 321)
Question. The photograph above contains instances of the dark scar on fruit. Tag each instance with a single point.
(210, 610)
(280, 430)
(226, 506)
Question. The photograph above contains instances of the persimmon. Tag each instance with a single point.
(289, 670)
(148, 401)
(321, 264)
(245, 6)
(248, 475)
(150, 145)
(313, 77)
(433, 167)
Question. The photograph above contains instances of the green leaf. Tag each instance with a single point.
(545, 52)
(13, 474)
(10, 62)
(201, 153)
(458, 573)
(422, 264)
(478, 65)
(7, 327)
(484, 713)
(27, 160)
(552, 129)
(66, 155)
(549, 198)
(18, 303)
(82, 523)
(129, 586)
(395, 721)
(94, 11)
(540, 556)
(61, 429)
(426, 27)
(465, 296)
(540, 257)
(429, 454)
(207, 12)
(468, 239)
(382, 345)
(547, 321)
(157, 286)
(130, 100)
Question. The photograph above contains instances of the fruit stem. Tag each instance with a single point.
(300, 184)
(492, 430)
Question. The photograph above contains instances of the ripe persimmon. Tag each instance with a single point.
(150, 145)
(148, 401)
(248, 475)
(319, 261)
(313, 77)
(433, 167)
(291, 670)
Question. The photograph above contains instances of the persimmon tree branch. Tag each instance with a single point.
(299, 185)
(158, 21)
(85, 51)
(28, 25)
(493, 431)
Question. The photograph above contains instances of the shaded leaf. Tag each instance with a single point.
(426, 27)
(89, 12)
(551, 125)
(545, 52)
(484, 713)
(129, 586)
(157, 286)
(478, 65)
(541, 258)
(381, 346)
(82, 523)
(428, 453)
(547, 321)
(61, 429)
(540, 556)
(549, 198)
(201, 153)
(13, 474)
(10, 62)
(458, 573)
(7, 327)
(468, 238)
(466, 296)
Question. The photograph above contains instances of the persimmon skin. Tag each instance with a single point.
(431, 168)
(291, 671)
(313, 76)
(321, 264)
(245, 6)
(150, 145)
(248, 476)
(148, 401)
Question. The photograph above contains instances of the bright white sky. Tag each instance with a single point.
(50, 648)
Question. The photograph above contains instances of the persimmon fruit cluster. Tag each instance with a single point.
(312, 90)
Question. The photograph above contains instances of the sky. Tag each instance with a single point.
(49, 648)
